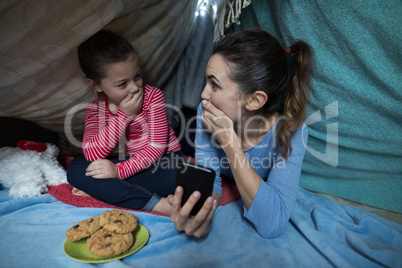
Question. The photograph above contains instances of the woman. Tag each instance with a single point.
(250, 130)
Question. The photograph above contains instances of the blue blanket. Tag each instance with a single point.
(321, 233)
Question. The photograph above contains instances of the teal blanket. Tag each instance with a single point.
(355, 116)
(320, 233)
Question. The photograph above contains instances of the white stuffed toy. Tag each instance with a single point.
(30, 168)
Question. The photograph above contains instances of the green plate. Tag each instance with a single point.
(78, 250)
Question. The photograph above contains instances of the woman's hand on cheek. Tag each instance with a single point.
(102, 169)
(197, 225)
(217, 122)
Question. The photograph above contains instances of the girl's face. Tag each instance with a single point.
(220, 90)
(121, 78)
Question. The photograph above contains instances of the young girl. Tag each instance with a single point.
(250, 130)
(127, 115)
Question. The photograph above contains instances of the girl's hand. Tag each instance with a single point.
(197, 225)
(132, 104)
(102, 169)
(217, 123)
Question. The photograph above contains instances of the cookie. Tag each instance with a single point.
(83, 229)
(118, 221)
(105, 243)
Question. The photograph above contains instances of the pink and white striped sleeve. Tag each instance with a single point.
(101, 137)
(157, 140)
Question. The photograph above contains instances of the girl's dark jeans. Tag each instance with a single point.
(141, 191)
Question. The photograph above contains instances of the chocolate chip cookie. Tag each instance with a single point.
(105, 243)
(118, 221)
(84, 228)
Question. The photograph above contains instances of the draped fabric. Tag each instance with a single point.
(354, 149)
(40, 78)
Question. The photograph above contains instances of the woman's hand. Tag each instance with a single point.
(197, 225)
(217, 122)
(102, 169)
(132, 104)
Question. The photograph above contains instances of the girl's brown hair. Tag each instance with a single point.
(258, 62)
(101, 49)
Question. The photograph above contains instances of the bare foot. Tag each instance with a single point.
(162, 207)
(79, 192)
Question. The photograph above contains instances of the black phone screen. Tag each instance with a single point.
(195, 178)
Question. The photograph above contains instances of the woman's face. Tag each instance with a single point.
(220, 90)
(121, 78)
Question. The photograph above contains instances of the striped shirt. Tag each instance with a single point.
(146, 138)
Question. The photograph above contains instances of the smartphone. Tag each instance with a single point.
(192, 178)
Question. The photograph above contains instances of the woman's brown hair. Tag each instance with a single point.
(259, 62)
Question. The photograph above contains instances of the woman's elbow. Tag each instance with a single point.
(274, 227)
(270, 232)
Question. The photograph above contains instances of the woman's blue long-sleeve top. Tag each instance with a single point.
(271, 208)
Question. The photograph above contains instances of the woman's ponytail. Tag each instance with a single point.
(259, 63)
(295, 106)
